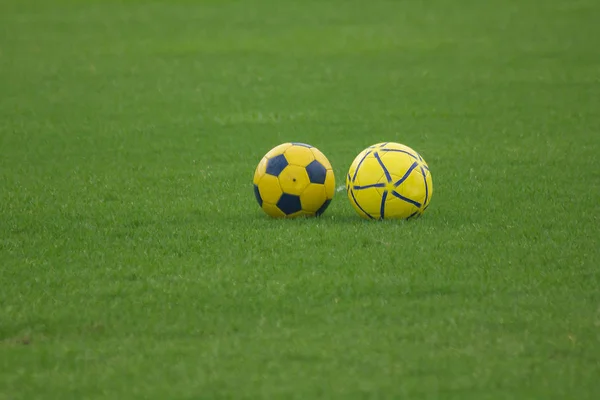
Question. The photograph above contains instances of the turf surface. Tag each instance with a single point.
(135, 263)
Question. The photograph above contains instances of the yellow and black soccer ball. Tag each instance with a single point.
(389, 181)
(294, 180)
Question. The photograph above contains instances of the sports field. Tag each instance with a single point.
(135, 262)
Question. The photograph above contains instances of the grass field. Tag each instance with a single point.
(136, 264)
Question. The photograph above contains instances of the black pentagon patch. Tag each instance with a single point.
(322, 209)
(257, 195)
(302, 144)
(289, 203)
(276, 164)
(316, 172)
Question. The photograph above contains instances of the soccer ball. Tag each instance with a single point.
(294, 180)
(389, 181)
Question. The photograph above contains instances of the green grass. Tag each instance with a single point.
(136, 264)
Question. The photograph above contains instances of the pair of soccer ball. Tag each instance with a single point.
(385, 181)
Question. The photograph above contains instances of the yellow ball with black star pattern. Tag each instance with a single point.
(294, 180)
(389, 181)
